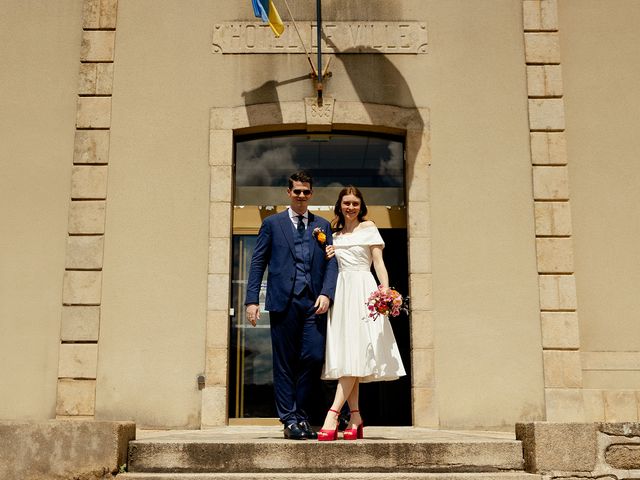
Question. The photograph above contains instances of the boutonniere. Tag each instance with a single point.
(320, 236)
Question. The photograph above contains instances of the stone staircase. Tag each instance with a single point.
(254, 453)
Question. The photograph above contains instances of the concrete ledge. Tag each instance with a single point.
(63, 449)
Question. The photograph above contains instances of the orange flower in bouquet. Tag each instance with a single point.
(387, 301)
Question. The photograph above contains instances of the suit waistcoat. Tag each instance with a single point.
(303, 262)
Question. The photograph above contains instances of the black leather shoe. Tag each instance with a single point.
(306, 428)
(294, 432)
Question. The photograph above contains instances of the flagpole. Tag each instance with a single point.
(319, 41)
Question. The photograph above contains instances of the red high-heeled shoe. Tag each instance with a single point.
(354, 433)
(328, 435)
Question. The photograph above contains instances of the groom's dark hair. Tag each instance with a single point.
(301, 176)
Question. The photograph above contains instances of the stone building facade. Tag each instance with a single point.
(518, 118)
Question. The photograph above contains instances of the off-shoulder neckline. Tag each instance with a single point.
(362, 226)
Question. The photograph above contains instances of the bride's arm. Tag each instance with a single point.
(378, 264)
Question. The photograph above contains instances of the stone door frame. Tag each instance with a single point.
(413, 124)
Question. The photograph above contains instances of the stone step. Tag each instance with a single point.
(384, 450)
(330, 476)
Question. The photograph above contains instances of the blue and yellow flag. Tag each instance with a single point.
(266, 10)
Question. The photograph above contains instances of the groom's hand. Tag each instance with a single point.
(253, 313)
(322, 304)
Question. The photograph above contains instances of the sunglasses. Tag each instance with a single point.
(305, 192)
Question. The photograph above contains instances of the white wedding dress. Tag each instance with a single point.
(357, 345)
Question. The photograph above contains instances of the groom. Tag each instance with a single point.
(300, 286)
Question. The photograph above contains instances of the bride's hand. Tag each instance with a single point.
(330, 251)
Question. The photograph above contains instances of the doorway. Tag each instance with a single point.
(374, 163)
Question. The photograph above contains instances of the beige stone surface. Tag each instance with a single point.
(422, 329)
(87, 79)
(417, 176)
(546, 114)
(421, 291)
(425, 407)
(218, 291)
(626, 457)
(562, 369)
(540, 15)
(87, 217)
(219, 219)
(82, 288)
(553, 218)
(221, 147)
(418, 219)
(423, 367)
(80, 324)
(548, 148)
(557, 292)
(216, 369)
(76, 397)
(78, 360)
(89, 182)
(560, 330)
(420, 255)
(104, 79)
(214, 406)
(97, 46)
(541, 48)
(84, 252)
(564, 405)
(94, 112)
(611, 360)
(558, 447)
(91, 14)
(620, 406)
(91, 146)
(221, 183)
(544, 80)
(550, 183)
(555, 255)
(218, 328)
(108, 13)
(593, 405)
(219, 255)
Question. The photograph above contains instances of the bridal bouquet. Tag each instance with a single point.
(386, 301)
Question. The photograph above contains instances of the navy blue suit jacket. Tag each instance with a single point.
(275, 249)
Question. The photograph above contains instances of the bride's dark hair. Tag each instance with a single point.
(337, 223)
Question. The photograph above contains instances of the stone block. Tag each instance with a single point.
(216, 368)
(620, 406)
(78, 360)
(89, 182)
(221, 147)
(420, 291)
(551, 447)
(558, 292)
(85, 252)
(80, 324)
(220, 184)
(108, 13)
(417, 148)
(219, 255)
(87, 217)
(550, 183)
(419, 255)
(87, 79)
(593, 405)
(542, 48)
(562, 369)
(560, 330)
(423, 367)
(624, 457)
(555, 255)
(540, 15)
(76, 397)
(104, 78)
(220, 219)
(564, 404)
(82, 288)
(418, 217)
(91, 14)
(214, 406)
(544, 81)
(218, 328)
(63, 449)
(546, 114)
(421, 329)
(553, 218)
(218, 292)
(97, 46)
(91, 147)
(417, 182)
(221, 118)
(93, 112)
(611, 360)
(548, 148)
(425, 408)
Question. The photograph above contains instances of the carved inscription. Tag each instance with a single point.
(339, 37)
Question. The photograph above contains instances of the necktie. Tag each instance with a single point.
(300, 225)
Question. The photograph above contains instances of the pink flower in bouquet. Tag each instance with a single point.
(386, 301)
